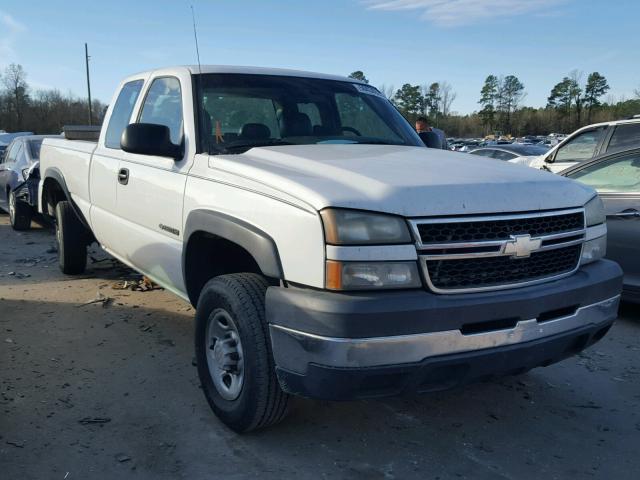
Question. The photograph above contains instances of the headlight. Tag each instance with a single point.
(31, 172)
(594, 212)
(373, 275)
(352, 227)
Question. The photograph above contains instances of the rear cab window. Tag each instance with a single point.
(122, 111)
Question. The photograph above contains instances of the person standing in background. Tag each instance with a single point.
(422, 126)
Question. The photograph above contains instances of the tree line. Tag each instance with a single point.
(41, 111)
(572, 103)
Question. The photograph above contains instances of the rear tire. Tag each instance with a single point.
(72, 240)
(241, 357)
(20, 213)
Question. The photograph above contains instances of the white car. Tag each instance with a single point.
(519, 153)
(328, 253)
(589, 142)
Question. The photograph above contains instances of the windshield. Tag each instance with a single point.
(238, 112)
(34, 148)
(532, 150)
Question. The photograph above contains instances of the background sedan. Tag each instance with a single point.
(514, 152)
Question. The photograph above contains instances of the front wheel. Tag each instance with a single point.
(233, 353)
(20, 213)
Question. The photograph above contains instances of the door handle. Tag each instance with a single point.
(630, 213)
(123, 176)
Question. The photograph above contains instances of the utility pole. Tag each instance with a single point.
(86, 58)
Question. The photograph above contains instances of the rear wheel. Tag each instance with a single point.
(233, 352)
(72, 240)
(20, 213)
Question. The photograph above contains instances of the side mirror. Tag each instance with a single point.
(149, 139)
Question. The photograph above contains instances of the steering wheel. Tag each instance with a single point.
(352, 130)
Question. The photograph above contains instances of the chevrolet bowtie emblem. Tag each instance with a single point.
(521, 246)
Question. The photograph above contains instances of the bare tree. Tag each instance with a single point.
(387, 90)
(15, 81)
(447, 97)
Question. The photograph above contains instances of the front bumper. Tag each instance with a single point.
(418, 341)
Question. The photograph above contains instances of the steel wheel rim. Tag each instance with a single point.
(225, 358)
(12, 207)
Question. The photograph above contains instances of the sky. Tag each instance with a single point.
(392, 41)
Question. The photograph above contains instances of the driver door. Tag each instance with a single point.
(150, 190)
(617, 181)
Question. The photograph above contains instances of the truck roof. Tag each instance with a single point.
(195, 69)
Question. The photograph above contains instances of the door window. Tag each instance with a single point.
(620, 175)
(581, 147)
(122, 113)
(625, 137)
(163, 106)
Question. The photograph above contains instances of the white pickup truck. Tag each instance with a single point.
(329, 254)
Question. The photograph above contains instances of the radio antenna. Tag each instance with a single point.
(195, 36)
(202, 133)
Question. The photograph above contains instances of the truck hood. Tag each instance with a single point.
(408, 181)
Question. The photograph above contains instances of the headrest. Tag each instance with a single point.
(255, 131)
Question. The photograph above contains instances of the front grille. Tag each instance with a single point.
(499, 229)
(471, 273)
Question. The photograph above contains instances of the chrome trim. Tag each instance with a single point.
(503, 244)
(303, 348)
(425, 254)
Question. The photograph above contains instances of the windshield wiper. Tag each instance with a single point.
(244, 146)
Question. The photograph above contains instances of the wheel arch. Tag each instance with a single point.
(217, 244)
(54, 190)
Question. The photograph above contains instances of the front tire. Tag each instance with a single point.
(233, 353)
(71, 238)
(20, 213)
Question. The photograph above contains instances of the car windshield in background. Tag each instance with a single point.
(242, 111)
(531, 150)
(34, 149)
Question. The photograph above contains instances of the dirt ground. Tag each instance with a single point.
(108, 390)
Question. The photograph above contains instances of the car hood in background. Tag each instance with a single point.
(408, 181)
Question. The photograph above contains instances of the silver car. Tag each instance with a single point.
(616, 177)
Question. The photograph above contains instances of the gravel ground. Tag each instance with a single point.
(108, 390)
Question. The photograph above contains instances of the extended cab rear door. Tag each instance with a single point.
(150, 189)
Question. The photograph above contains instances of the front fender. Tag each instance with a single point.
(258, 243)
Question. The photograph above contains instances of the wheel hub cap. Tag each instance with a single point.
(224, 354)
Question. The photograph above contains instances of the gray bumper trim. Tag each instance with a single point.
(294, 350)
